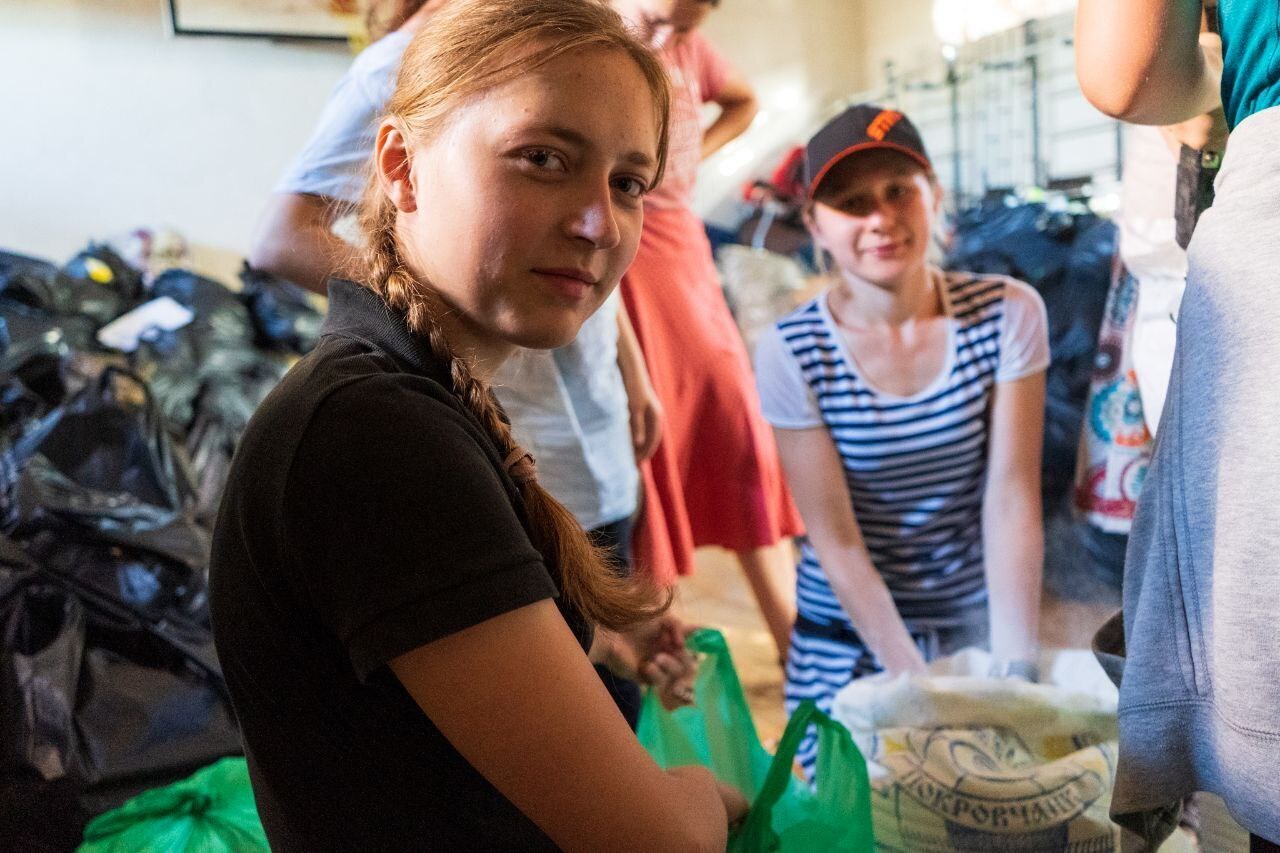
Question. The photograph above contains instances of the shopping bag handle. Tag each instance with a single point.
(846, 788)
(759, 822)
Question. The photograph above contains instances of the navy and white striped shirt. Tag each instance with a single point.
(915, 466)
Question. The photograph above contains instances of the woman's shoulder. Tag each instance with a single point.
(971, 294)
(350, 397)
(806, 317)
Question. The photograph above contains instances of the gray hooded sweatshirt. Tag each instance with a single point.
(1200, 694)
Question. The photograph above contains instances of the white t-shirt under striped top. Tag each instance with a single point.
(915, 466)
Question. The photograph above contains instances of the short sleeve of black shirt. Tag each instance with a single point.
(403, 529)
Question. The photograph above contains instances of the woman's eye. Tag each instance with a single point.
(898, 192)
(546, 159)
(857, 205)
(633, 187)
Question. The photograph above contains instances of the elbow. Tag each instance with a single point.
(265, 255)
(1111, 94)
(1119, 107)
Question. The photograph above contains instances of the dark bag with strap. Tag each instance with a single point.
(103, 692)
(109, 466)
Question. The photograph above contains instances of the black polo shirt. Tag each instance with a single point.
(367, 513)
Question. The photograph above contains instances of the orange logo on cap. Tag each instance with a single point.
(883, 123)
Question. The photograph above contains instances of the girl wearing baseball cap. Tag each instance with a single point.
(907, 404)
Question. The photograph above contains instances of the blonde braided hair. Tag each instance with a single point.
(472, 45)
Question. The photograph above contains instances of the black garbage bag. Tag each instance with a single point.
(155, 587)
(218, 343)
(97, 283)
(32, 390)
(221, 318)
(46, 307)
(283, 317)
(221, 413)
(26, 418)
(1074, 301)
(27, 279)
(209, 377)
(99, 700)
(109, 466)
(30, 306)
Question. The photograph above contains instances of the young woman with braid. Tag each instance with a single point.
(404, 615)
(586, 410)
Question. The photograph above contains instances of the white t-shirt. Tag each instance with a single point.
(788, 400)
(335, 160)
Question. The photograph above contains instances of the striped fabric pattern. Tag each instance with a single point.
(915, 469)
(914, 466)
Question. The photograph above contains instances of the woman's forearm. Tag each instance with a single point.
(870, 607)
(732, 122)
(1013, 541)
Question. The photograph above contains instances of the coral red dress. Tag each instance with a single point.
(715, 479)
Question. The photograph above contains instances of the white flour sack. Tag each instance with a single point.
(960, 761)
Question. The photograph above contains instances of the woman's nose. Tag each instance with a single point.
(595, 219)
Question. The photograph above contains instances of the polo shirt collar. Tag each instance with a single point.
(357, 312)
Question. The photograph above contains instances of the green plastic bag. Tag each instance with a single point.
(718, 733)
(211, 811)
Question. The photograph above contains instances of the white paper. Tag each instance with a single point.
(162, 314)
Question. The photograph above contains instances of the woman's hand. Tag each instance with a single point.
(643, 407)
(654, 653)
(1207, 132)
(646, 418)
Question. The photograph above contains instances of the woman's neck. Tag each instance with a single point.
(479, 350)
(862, 304)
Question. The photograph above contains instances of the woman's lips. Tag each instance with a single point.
(888, 250)
(575, 284)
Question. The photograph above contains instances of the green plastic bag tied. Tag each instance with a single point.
(211, 811)
(717, 732)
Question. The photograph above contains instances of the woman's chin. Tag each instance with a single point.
(545, 337)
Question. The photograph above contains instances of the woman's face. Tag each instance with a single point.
(874, 214)
(525, 210)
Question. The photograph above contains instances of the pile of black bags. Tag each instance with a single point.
(111, 468)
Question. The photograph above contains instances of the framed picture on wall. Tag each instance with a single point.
(333, 20)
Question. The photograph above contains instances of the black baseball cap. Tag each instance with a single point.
(860, 128)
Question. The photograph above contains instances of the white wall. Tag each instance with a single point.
(108, 123)
(900, 31)
(799, 64)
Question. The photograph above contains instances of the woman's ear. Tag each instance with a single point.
(811, 223)
(393, 162)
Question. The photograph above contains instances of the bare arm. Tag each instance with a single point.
(1140, 60)
(296, 241)
(815, 474)
(642, 400)
(518, 699)
(738, 109)
(1012, 528)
